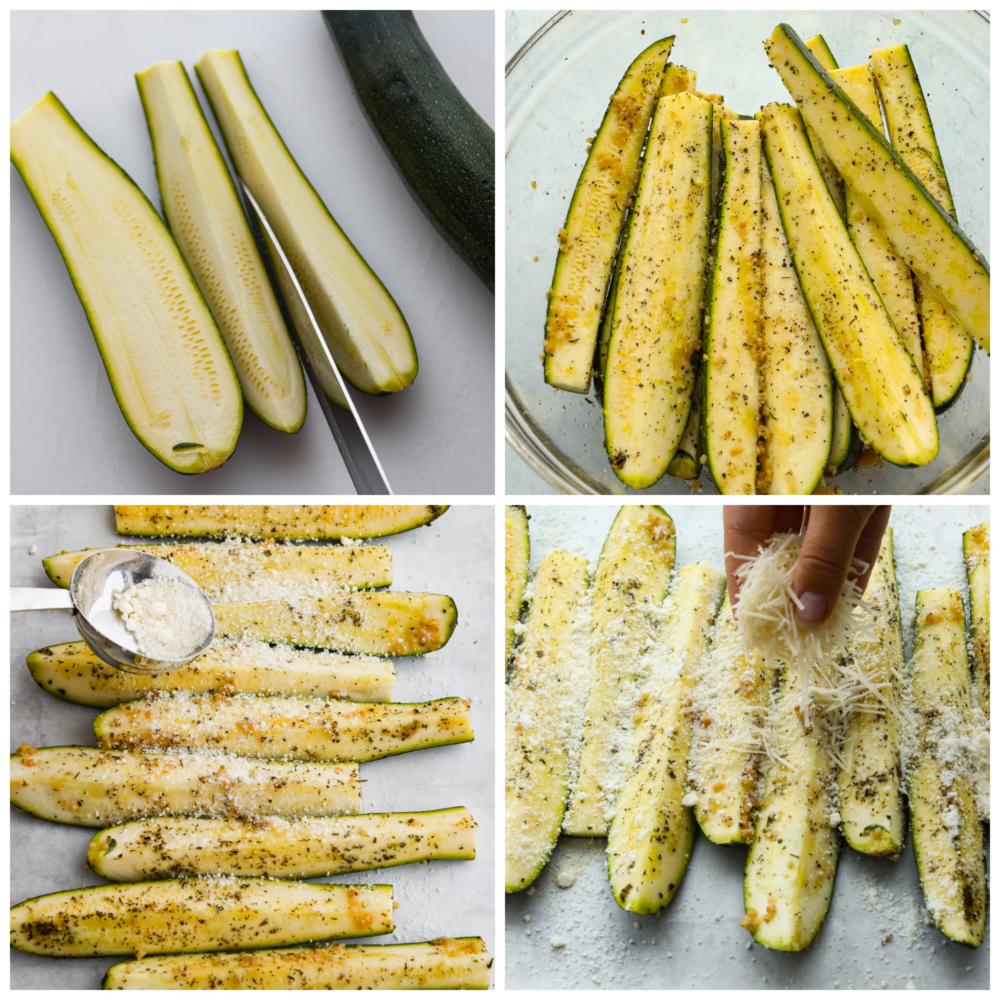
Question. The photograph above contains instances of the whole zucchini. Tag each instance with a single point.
(443, 150)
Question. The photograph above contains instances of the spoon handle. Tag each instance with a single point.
(39, 599)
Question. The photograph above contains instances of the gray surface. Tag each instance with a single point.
(696, 942)
(454, 555)
(89, 60)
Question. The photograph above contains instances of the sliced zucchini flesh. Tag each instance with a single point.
(517, 551)
(976, 547)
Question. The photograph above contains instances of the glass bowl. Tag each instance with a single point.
(557, 88)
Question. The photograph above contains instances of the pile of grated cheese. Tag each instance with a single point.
(168, 619)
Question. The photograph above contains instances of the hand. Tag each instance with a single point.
(835, 534)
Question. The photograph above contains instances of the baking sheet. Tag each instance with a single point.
(578, 938)
(454, 555)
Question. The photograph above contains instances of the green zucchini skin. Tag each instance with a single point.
(443, 150)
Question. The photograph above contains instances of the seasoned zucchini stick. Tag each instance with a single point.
(87, 786)
(538, 725)
(882, 387)
(588, 241)
(725, 767)
(443, 964)
(258, 567)
(280, 848)
(870, 779)
(196, 914)
(686, 463)
(517, 553)
(387, 623)
(289, 728)
(976, 547)
(947, 343)
(635, 567)
(73, 671)
(732, 317)
(824, 56)
(650, 839)
(945, 823)
(792, 862)
(656, 330)
(290, 522)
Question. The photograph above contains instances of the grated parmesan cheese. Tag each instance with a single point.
(168, 619)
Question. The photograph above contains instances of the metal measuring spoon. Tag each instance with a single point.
(95, 580)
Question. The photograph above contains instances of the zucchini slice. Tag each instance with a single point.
(948, 345)
(168, 364)
(792, 862)
(656, 331)
(204, 213)
(835, 185)
(517, 552)
(196, 914)
(87, 786)
(361, 323)
(588, 240)
(384, 623)
(258, 566)
(797, 406)
(926, 237)
(882, 388)
(945, 823)
(443, 964)
(976, 548)
(870, 780)
(73, 671)
(309, 847)
(846, 446)
(686, 463)
(286, 728)
(537, 740)
(732, 332)
(636, 565)
(650, 838)
(326, 522)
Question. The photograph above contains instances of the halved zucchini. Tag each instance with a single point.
(835, 185)
(286, 728)
(588, 241)
(882, 388)
(310, 847)
(168, 364)
(976, 549)
(87, 786)
(443, 964)
(384, 623)
(289, 522)
(363, 327)
(517, 551)
(73, 671)
(196, 914)
(656, 331)
(204, 213)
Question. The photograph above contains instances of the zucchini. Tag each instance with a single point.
(204, 213)
(882, 388)
(732, 347)
(73, 671)
(517, 552)
(797, 406)
(656, 331)
(196, 914)
(650, 838)
(948, 345)
(385, 623)
(444, 151)
(636, 565)
(944, 821)
(926, 237)
(870, 779)
(590, 236)
(443, 964)
(309, 847)
(218, 569)
(360, 321)
(537, 742)
(976, 549)
(686, 463)
(290, 522)
(846, 446)
(167, 362)
(835, 185)
(87, 786)
(286, 728)
(792, 862)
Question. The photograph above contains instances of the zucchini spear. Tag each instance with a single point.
(976, 547)
(517, 552)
